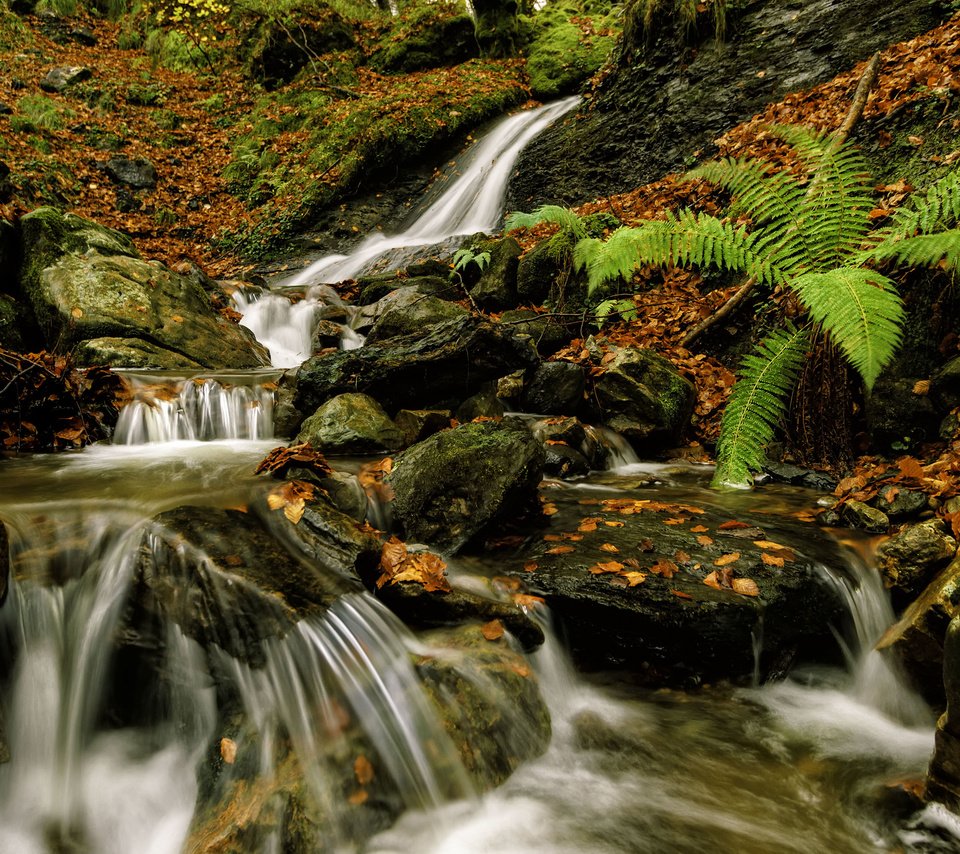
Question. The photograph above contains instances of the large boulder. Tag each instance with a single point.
(643, 397)
(450, 486)
(659, 586)
(943, 778)
(350, 423)
(547, 335)
(910, 559)
(917, 637)
(406, 311)
(431, 36)
(496, 287)
(85, 282)
(556, 388)
(438, 368)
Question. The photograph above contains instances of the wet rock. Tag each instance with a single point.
(556, 388)
(131, 353)
(541, 266)
(563, 461)
(796, 476)
(18, 329)
(4, 561)
(496, 287)
(856, 514)
(943, 778)
(417, 424)
(897, 418)
(917, 637)
(450, 486)
(483, 404)
(899, 503)
(375, 288)
(350, 423)
(670, 627)
(489, 702)
(644, 398)
(407, 311)
(446, 365)
(327, 334)
(548, 335)
(226, 581)
(136, 172)
(85, 282)
(910, 559)
(572, 432)
(82, 35)
(64, 76)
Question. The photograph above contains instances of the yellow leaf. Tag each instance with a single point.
(228, 750)
(362, 770)
(610, 547)
(608, 566)
(726, 559)
(745, 587)
(634, 578)
(771, 560)
(492, 631)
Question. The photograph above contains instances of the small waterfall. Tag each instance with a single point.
(472, 203)
(287, 328)
(197, 409)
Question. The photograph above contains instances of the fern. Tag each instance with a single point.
(924, 250)
(861, 311)
(553, 214)
(757, 405)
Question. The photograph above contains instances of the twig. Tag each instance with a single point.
(867, 79)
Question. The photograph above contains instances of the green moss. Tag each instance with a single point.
(568, 42)
(35, 113)
(13, 32)
(425, 35)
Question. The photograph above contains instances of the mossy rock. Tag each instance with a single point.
(350, 423)
(426, 36)
(407, 311)
(547, 335)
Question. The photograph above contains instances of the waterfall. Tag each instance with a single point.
(473, 202)
(165, 409)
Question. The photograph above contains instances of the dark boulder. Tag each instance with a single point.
(556, 388)
(450, 486)
(407, 311)
(350, 423)
(897, 418)
(136, 172)
(910, 559)
(548, 336)
(943, 777)
(496, 286)
(62, 77)
(443, 366)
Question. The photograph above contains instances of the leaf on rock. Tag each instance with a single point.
(732, 525)
(424, 568)
(527, 602)
(704, 540)
(610, 547)
(530, 566)
(726, 559)
(681, 595)
(549, 508)
(362, 770)
(910, 468)
(699, 529)
(745, 587)
(771, 560)
(633, 577)
(560, 550)
(492, 630)
(665, 568)
(645, 545)
(588, 525)
(291, 496)
(228, 750)
(713, 580)
(608, 566)
(279, 460)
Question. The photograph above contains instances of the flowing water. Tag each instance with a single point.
(129, 732)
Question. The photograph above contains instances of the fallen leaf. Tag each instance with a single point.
(549, 509)
(771, 560)
(732, 525)
(645, 545)
(588, 525)
(362, 770)
(713, 580)
(699, 529)
(665, 568)
(228, 750)
(491, 631)
(292, 496)
(910, 468)
(681, 595)
(530, 566)
(724, 560)
(610, 547)
(608, 566)
(633, 577)
(358, 798)
(613, 523)
(424, 568)
(525, 601)
(680, 556)
(745, 587)
(704, 540)
(560, 550)
(768, 544)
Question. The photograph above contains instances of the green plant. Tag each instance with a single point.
(623, 309)
(38, 112)
(463, 258)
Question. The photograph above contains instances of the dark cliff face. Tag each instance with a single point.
(671, 97)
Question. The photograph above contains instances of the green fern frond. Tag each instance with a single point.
(686, 239)
(861, 311)
(935, 209)
(924, 250)
(757, 405)
(554, 214)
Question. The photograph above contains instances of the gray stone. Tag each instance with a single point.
(856, 514)
(904, 503)
(563, 461)
(943, 778)
(406, 311)
(484, 404)
(453, 484)
(910, 559)
(643, 397)
(496, 288)
(63, 76)
(136, 172)
(350, 423)
(548, 335)
(417, 424)
(87, 283)
(556, 388)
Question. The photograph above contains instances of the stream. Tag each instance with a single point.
(113, 714)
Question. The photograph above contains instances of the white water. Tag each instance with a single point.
(472, 203)
(167, 409)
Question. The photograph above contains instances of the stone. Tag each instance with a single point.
(406, 311)
(436, 369)
(428, 42)
(496, 287)
(910, 559)
(943, 776)
(130, 353)
(136, 172)
(540, 267)
(897, 418)
(797, 476)
(945, 385)
(62, 77)
(327, 333)
(643, 397)
(350, 423)
(82, 35)
(548, 336)
(856, 514)
(556, 388)
(565, 462)
(899, 503)
(484, 404)
(417, 424)
(85, 282)
(917, 637)
(452, 485)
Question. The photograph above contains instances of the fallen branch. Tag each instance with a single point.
(867, 79)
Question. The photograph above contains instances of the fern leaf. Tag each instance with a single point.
(862, 312)
(554, 214)
(935, 209)
(757, 405)
(924, 250)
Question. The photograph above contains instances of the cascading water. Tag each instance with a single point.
(473, 202)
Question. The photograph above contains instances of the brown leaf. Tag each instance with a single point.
(292, 496)
(228, 750)
(358, 798)
(560, 550)
(665, 568)
(713, 580)
(492, 631)
(527, 602)
(633, 577)
(724, 560)
(681, 595)
(608, 566)
(610, 547)
(645, 545)
(771, 560)
(910, 468)
(362, 770)
(424, 568)
(745, 587)
(699, 529)
(704, 540)
(731, 525)
(680, 556)
(549, 509)
(588, 525)
(530, 566)
(613, 523)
